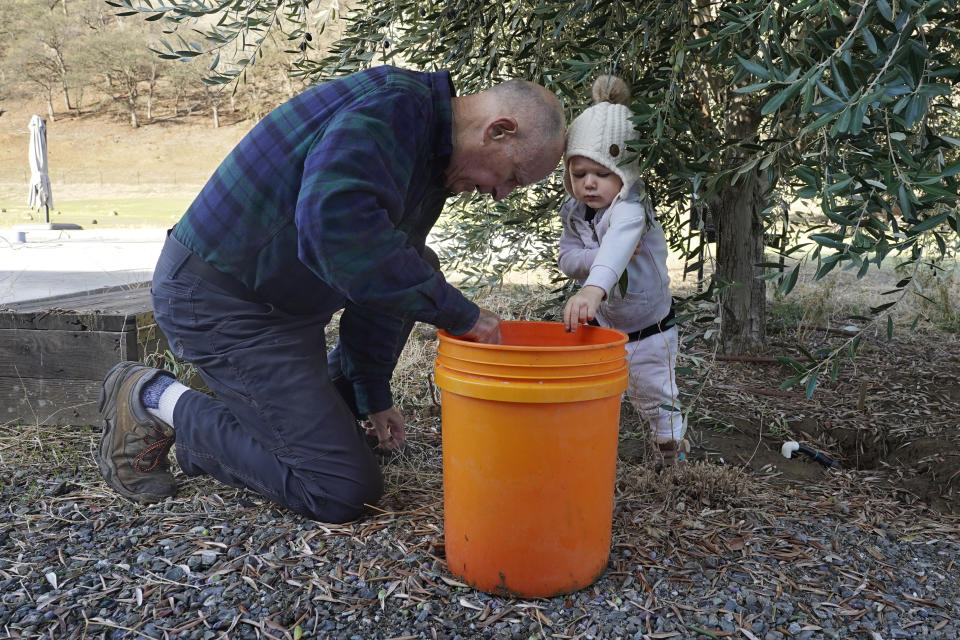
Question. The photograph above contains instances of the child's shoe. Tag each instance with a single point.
(673, 451)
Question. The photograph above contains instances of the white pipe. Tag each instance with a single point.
(789, 447)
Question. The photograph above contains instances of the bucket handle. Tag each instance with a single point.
(434, 390)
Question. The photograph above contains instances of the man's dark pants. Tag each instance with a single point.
(278, 424)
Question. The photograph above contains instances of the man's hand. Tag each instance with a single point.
(387, 425)
(486, 329)
(582, 307)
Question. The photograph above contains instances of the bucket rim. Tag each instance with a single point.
(516, 373)
(532, 390)
(621, 339)
(445, 357)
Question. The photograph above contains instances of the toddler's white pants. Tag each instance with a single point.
(653, 385)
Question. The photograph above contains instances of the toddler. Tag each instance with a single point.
(609, 229)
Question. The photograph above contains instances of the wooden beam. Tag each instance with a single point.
(32, 401)
(74, 355)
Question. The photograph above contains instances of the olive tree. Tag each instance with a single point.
(742, 108)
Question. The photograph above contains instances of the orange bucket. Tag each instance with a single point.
(530, 432)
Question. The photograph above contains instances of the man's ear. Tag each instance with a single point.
(500, 128)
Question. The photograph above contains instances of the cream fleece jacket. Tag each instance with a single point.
(598, 251)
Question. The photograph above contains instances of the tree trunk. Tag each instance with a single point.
(739, 247)
(132, 104)
(50, 107)
(737, 213)
(255, 100)
(62, 68)
(153, 83)
(132, 93)
(216, 117)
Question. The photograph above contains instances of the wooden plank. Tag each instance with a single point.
(64, 355)
(61, 320)
(110, 309)
(49, 402)
(92, 299)
(54, 352)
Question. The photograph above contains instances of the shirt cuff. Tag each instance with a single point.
(373, 396)
(459, 320)
(603, 277)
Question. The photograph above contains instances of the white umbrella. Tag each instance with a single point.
(40, 193)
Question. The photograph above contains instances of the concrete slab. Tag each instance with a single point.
(56, 262)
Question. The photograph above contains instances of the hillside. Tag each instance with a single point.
(102, 156)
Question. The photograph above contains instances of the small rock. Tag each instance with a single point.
(174, 573)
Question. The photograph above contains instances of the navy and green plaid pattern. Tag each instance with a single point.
(328, 200)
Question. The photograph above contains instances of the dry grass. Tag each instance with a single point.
(934, 294)
(97, 156)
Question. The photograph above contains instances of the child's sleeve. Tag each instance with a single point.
(628, 222)
(575, 257)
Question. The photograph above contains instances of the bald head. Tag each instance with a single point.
(540, 109)
(507, 136)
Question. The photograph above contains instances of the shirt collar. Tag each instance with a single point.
(441, 86)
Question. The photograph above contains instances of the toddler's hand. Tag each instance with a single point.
(582, 307)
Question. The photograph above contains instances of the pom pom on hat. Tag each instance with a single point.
(611, 89)
(602, 131)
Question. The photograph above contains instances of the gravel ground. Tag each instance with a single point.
(705, 551)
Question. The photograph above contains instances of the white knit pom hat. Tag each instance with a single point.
(602, 131)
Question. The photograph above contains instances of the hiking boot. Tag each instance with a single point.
(673, 451)
(133, 448)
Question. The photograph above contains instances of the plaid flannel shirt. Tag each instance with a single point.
(326, 205)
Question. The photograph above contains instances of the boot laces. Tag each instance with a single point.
(155, 452)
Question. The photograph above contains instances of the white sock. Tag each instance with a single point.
(167, 403)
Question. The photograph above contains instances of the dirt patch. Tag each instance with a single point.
(890, 420)
(740, 444)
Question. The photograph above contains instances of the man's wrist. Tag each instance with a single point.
(373, 396)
